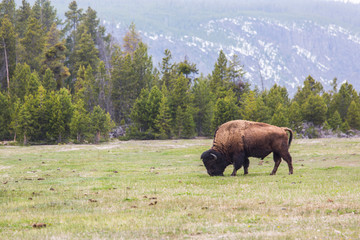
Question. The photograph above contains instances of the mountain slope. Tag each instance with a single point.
(271, 51)
(277, 41)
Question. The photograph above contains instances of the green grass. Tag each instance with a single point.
(160, 190)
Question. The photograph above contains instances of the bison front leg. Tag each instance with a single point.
(238, 160)
(246, 166)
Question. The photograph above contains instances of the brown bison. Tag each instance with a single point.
(236, 141)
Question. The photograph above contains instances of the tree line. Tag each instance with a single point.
(70, 80)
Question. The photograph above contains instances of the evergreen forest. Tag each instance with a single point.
(68, 80)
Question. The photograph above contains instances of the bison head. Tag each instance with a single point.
(214, 162)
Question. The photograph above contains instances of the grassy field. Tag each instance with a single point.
(160, 190)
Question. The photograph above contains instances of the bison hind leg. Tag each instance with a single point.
(287, 157)
(277, 160)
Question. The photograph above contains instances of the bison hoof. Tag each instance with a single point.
(272, 173)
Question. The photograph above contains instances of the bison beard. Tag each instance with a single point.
(236, 141)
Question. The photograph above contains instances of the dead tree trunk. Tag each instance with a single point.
(7, 67)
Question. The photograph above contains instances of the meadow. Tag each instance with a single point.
(160, 190)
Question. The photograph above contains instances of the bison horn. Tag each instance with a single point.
(214, 156)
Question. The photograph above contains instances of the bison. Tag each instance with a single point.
(235, 141)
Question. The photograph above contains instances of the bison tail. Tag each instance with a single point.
(291, 134)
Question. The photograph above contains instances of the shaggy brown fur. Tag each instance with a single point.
(237, 140)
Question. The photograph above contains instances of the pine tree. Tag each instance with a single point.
(37, 110)
(33, 44)
(353, 116)
(73, 18)
(295, 117)
(80, 85)
(235, 70)
(187, 68)
(103, 80)
(5, 116)
(7, 7)
(85, 53)
(263, 112)
(32, 117)
(91, 89)
(61, 111)
(153, 106)
(124, 91)
(45, 13)
(276, 96)
(142, 68)
(25, 121)
(225, 110)
(163, 119)
(33, 84)
(15, 105)
(203, 105)
(219, 78)
(140, 113)
(22, 15)
(343, 99)
(167, 70)
(109, 125)
(280, 118)
(145, 114)
(249, 107)
(100, 122)
(345, 127)
(54, 57)
(335, 121)
(92, 22)
(131, 40)
(185, 126)
(314, 110)
(20, 81)
(180, 96)
(49, 81)
(311, 87)
(80, 122)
